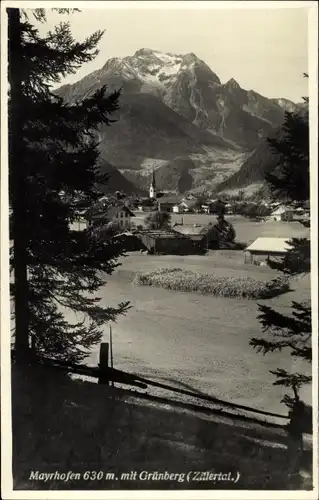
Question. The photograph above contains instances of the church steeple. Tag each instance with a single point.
(153, 187)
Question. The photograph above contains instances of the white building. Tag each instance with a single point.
(282, 213)
(79, 224)
(264, 248)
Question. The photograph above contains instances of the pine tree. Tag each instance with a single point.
(226, 232)
(291, 178)
(53, 174)
(293, 331)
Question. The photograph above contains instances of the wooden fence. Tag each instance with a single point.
(108, 375)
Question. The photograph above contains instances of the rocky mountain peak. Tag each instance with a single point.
(232, 84)
(191, 58)
(143, 52)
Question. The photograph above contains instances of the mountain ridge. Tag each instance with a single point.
(174, 106)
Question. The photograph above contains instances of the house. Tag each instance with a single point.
(264, 248)
(120, 216)
(204, 236)
(229, 208)
(206, 209)
(130, 242)
(167, 203)
(187, 205)
(282, 213)
(79, 224)
(146, 205)
(165, 241)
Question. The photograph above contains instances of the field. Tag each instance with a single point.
(197, 341)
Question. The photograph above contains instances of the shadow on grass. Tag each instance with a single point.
(62, 425)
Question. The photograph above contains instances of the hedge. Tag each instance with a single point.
(188, 281)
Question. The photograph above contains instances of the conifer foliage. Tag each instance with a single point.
(53, 174)
(292, 331)
(226, 232)
(291, 178)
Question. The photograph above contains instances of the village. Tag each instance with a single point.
(163, 224)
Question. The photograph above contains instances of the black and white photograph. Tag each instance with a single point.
(159, 174)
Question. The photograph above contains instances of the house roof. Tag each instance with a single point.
(170, 200)
(125, 233)
(189, 203)
(277, 245)
(191, 229)
(281, 210)
(159, 233)
(112, 212)
(146, 201)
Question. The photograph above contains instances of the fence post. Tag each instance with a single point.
(104, 364)
(295, 431)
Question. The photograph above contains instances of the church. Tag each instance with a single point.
(153, 194)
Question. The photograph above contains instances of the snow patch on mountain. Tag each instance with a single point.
(286, 104)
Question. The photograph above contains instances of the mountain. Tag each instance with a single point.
(253, 170)
(261, 162)
(175, 175)
(287, 105)
(174, 110)
(116, 181)
(147, 128)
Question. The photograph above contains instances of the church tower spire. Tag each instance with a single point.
(153, 187)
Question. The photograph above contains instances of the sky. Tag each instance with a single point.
(265, 50)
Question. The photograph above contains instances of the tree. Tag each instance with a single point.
(218, 207)
(53, 169)
(241, 195)
(158, 220)
(200, 201)
(291, 178)
(226, 232)
(253, 210)
(292, 331)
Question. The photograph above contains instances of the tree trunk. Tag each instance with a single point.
(17, 184)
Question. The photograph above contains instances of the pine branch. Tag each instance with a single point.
(59, 153)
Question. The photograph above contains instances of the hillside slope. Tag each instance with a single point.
(116, 180)
(262, 161)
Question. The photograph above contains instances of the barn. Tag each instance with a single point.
(264, 248)
(204, 236)
(167, 242)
